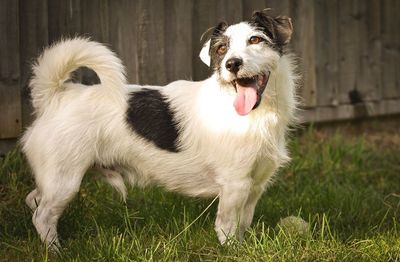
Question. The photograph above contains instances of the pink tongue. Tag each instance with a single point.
(245, 100)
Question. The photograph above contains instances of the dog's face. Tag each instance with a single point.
(243, 55)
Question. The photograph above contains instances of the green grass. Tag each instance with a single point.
(348, 189)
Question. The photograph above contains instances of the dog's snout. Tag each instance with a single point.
(233, 64)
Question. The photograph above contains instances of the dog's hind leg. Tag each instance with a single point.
(33, 199)
(57, 190)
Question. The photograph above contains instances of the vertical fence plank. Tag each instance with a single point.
(123, 32)
(10, 99)
(151, 42)
(201, 23)
(249, 6)
(278, 7)
(64, 19)
(230, 10)
(95, 20)
(207, 14)
(390, 48)
(326, 51)
(33, 37)
(348, 49)
(302, 13)
(178, 39)
(368, 31)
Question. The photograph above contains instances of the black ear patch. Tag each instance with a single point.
(217, 39)
(279, 29)
(219, 29)
(149, 114)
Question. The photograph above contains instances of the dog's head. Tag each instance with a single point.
(244, 55)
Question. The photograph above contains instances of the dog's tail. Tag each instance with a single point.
(58, 61)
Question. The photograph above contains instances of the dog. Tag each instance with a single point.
(224, 136)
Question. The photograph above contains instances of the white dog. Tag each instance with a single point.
(224, 136)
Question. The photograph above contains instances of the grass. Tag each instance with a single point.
(347, 187)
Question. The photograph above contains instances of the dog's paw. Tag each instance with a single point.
(222, 237)
(227, 237)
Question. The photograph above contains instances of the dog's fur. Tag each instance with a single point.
(185, 136)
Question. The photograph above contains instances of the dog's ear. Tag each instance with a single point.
(284, 28)
(204, 53)
(279, 29)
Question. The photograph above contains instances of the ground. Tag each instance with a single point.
(343, 179)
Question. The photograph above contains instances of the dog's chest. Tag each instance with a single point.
(213, 129)
(216, 113)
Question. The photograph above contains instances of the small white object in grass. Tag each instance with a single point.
(293, 225)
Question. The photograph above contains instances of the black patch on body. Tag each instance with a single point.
(149, 114)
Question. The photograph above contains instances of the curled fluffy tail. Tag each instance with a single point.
(58, 61)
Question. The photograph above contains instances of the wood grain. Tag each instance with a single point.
(123, 35)
(368, 78)
(390, 30)
(64, 19)
(302, 13)
(342, 45)
(326, 52)
(33, 37)
(10, 94)
(151, 42)
(385, 107)
(178, 39)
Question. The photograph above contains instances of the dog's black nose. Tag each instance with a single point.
(233, 64)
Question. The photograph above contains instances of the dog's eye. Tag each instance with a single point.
(255, 40)
(222, 49)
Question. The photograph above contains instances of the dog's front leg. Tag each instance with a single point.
(232, 198)
(248, 209)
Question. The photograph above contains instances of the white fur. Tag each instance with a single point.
(78, 127)
(204, 56)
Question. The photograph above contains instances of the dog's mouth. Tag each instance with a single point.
(249, 91)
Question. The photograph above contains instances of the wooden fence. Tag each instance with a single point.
(349, 49)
